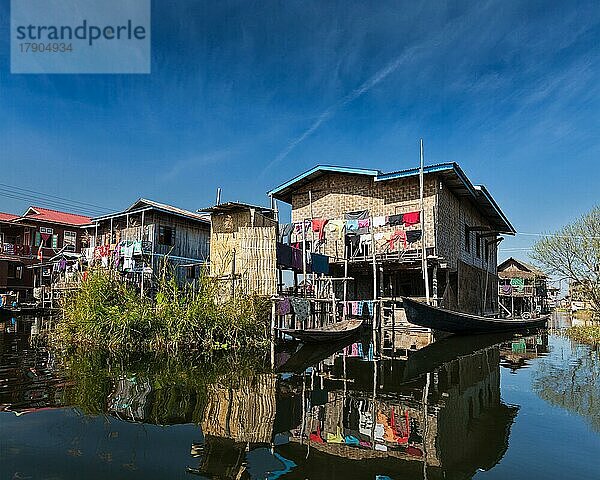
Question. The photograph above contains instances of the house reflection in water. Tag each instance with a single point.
(520, 351)
(419, 410)
(358, 414)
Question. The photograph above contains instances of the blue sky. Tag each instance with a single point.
(244, 95)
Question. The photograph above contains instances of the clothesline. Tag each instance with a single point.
(356, 226)
(302, 307)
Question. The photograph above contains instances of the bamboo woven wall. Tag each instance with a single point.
(257, 262)
(254, 248)
(244, 414)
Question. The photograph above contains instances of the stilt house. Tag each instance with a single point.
(371, 223)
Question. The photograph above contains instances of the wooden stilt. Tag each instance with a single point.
(423, 229)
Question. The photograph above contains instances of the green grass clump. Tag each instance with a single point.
(589, 334)
(108, 312)
(181, 384)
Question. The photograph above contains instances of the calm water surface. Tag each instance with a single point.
(402, 407)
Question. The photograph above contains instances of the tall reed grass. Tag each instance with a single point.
(107, 312)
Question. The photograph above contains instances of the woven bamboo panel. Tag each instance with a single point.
(244, 414)
(256, 260)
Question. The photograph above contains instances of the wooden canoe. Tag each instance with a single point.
(310, 354)
(329, 333)
(450, 321)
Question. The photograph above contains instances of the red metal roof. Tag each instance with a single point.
(47, 215)
(7, 217)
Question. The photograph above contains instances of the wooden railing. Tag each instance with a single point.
(16, 249)
(524, 291)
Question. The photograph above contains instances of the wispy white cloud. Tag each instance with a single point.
(378, 77)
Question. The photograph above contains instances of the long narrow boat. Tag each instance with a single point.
(335, 331)
(310, 354)
(437, 318)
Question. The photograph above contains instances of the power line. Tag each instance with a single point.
(52, 203)
(62, 199)
(557, 236)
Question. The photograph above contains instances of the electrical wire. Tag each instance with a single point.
(52, 204)
(68, 200)
(52, 201)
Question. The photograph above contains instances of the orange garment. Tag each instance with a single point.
(397, 235)
(388, 432)
(411, 218)
(318, 225)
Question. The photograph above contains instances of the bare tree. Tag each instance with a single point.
(574, 252)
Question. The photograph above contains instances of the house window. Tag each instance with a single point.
(166, 235)
(46, 238)
(191, 272)
(70, 240)
(467, 239)
(14, 271)
(478, 246)
(487, 251)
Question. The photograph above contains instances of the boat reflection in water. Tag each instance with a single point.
(414, 408)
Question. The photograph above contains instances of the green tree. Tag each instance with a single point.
(574, 253)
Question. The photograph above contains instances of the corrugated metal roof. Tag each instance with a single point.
(231, 206)
(451, 174)
(7, 217)
(145, 204)
(527, 266)
(283, 191)
(55, 216)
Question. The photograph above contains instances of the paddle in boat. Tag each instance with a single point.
(424, 315)
(332, 332)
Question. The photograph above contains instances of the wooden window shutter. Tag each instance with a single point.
(55, 240)
(38, 239)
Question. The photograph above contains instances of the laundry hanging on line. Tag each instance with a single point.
(380, 221)
(319, 263)
(283, 306)
(411, 218)
(301, 307)
(318, 226)
(337, 227)
(413, 235)
(397, 235)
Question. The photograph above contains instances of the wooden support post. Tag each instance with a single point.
(304, 256)
(333, 306)
(233, 275)
(143, 263)
(280, 280)
(435, 285)
(273, 314)
(345, 288)
(423, 228)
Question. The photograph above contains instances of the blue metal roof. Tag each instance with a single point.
(450, 173)
(315, 172)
